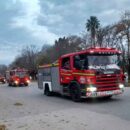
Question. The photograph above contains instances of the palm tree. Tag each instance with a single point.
(92, 25)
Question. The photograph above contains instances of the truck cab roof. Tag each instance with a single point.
(95, 50)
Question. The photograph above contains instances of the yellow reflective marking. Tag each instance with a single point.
(56, 64)
(84, 74)
(49, 65)
(65, 74)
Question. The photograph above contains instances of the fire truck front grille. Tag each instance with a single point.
(107, 82)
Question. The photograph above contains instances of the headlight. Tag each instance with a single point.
(28, 81)
(16, 82)
(91, 89)
(121, 86)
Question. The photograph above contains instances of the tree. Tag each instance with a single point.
(30, 55)
(100, 36)
(27, 59)
(68, 44)
(92, 25)
(126, 24)
(62, 46)
(3, 69)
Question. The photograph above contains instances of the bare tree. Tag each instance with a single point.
(62, 46)
(125, 21)
(3, 69)
(27, 59)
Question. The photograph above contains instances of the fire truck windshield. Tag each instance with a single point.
(21, 74)
(95, 61)
(102, 60)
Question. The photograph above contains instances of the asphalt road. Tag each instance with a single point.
(17, 102)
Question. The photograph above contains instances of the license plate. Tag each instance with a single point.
(108, 72)
(103, 93)
(109, 93)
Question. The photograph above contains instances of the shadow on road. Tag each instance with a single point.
(89, 100)
(101, 100)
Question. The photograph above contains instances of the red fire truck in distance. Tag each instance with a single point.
(17, 77)
(93, 72)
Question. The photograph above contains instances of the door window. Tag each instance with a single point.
(66, 63)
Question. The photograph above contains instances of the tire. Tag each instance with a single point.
(75, 92)
(108, 97)
(16, 85)
(26, 85)
(3, 82)
(47, 92)
(10, 84)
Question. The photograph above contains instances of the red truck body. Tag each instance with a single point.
(17, 77)
(90, 73)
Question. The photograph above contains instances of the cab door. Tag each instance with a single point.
(65, 70)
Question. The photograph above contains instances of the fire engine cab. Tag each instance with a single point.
(93, 72)
(17, 77)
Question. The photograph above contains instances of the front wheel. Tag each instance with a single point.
(108, 97)
(26, 84)
(9, 84)
(75, 93)
(3, 82)
(47, 92)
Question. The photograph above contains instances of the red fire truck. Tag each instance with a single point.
(93, 72)
(17, 77)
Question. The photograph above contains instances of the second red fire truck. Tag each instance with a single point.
(17, 77)
(90, 73)
(2, 79)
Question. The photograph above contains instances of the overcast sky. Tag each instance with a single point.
(25, 22)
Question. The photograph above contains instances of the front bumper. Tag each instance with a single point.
(20, 83)
(104, 93)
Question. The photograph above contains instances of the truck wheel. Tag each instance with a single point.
(26, 85)
(108, 97)
(75, 93)
(47, 92)
(10, 84)
(16, 85)
(3, 82)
